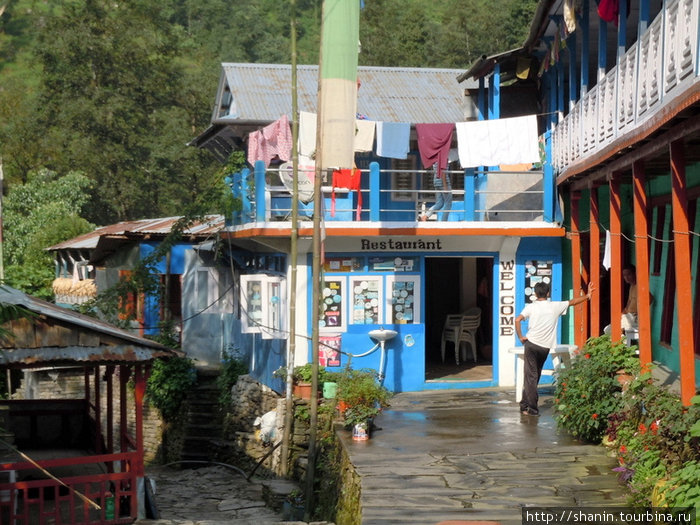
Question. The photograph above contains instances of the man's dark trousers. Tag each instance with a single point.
(535, 356)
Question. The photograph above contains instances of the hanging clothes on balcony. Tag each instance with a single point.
(307, 134)
(609, 10)
(393, 139)
(364, 135)
(350, 179)
(434, 142)
(273, 140)
(498, 141)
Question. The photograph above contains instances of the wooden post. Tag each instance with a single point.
(580, 311)
(684, 280)
(641, 243)
(109, 372)
(98, 412)
(595, 262)
(616, 282)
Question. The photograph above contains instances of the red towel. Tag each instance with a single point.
(434, 141)
(608, 10)
(350, 179)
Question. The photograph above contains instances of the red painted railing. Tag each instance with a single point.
(35, 499)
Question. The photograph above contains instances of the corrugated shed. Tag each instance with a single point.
(142, 228)
(262, 93)
(53, 335)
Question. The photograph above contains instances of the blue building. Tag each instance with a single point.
(385, 266)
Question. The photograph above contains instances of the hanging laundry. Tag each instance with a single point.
(569, 16)
(350, 179)
(497, 142)
(608, 10)
(273, 140)
(364, 135)
(393, 139)
(434, 142)
(307, 134)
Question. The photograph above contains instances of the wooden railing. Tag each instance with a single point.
(661, 65)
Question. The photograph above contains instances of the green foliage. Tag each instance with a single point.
(232, 367)
(683, 487)
(362, 393)
(168, 384)
(40, 213)
(652, 436)
(589, 391)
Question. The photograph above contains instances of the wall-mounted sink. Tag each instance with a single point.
(382, 334)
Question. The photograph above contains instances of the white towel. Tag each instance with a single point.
(307, 133)
(607, 256)
(499, 141)
(364, 135)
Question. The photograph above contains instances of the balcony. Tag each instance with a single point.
(659, 68)
(397, 197)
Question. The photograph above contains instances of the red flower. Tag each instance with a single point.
(623, 449)
(587, 356)
(594, 416)
(642, 428)
(654, 427)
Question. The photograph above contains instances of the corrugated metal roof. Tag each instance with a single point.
(262, 92)
(133, 347)
(143, 227)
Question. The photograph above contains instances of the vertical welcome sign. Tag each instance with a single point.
(337, 98)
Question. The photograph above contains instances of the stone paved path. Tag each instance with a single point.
(210, 495)
(470, 455)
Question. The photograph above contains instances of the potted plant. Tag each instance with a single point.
(363, 396)
(301, 378)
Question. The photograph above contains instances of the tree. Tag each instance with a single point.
(44, 211)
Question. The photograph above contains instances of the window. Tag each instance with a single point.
(403, 183)
(333, 304)
(366, 300)
(263, 301)
(403, 299)
(214, 291)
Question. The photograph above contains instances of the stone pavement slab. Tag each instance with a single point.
(471, 455)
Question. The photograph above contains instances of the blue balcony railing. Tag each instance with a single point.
(401, 196)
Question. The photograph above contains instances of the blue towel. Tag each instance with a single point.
(393, 139)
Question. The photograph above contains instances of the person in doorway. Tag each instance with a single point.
(443, 194)
(543, 318)
(630, 319)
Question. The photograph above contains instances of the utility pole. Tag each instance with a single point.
(293, 249)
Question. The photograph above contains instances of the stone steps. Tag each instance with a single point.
(204, 419)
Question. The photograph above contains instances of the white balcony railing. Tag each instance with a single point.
(660, 66)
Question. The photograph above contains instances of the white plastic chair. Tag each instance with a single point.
(460, 329)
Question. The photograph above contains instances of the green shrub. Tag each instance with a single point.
(168, 384)
(232, 368)
(362, 394)
(588, 391)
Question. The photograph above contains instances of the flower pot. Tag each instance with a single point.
(302, 390)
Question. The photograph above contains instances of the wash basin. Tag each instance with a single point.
(382, 334)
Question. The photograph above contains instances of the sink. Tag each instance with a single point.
(382, 334)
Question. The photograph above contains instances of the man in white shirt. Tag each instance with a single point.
(543, 318)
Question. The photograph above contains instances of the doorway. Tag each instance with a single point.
(453, 285)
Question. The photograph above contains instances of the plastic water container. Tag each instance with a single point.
(329, 389)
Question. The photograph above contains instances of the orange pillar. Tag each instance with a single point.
(641, 248)
(580, 311)
(595, 263)
(616, 283)
(684, 295)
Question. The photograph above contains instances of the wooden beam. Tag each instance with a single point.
(595, 262)
(641, 248)
(616, 282)
(580, 311)
(684, 280)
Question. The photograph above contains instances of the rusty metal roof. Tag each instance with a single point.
(116, 345)
(262, 93)
(142, 229)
